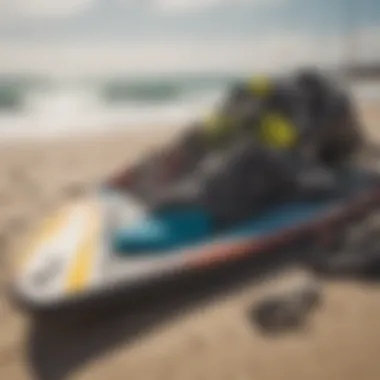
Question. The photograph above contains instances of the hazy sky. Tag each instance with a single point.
(100, 36)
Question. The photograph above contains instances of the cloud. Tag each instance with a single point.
(271, 53)
(99, 58)
(42, 8)
(184, 5)
(192, 5)
(365, 43)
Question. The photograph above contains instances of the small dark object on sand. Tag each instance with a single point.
(286, 310)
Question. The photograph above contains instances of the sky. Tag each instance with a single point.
(76, 37)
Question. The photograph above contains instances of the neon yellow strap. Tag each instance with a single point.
(278, 131)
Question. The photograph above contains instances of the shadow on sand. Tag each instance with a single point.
(57, 347)
(56, 350)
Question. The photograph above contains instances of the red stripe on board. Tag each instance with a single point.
(224, 252)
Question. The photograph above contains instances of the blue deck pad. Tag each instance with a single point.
(280, 217)
(165, 231)
(187, 227)
(175, 229)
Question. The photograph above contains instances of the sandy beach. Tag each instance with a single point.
(208, 338)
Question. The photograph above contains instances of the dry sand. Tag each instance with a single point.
(191, 337)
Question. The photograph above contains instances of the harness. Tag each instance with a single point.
(272, 126)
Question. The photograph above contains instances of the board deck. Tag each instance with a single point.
(78, 264)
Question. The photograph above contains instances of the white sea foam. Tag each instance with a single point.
(80, 110)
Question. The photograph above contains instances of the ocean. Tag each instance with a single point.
(41, 107)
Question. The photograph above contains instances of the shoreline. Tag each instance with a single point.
(62, 116)
(86, 133)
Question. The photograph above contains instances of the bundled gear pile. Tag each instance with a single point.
(274, 165)
(305, 112)
(271, 140)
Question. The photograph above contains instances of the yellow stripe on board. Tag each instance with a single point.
(81, 269)
(49, 228)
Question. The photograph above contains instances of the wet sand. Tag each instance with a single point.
(191, 334)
